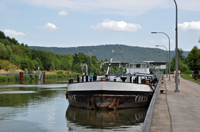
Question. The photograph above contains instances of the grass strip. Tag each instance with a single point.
(189, 77)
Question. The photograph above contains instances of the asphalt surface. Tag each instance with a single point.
(177, 111)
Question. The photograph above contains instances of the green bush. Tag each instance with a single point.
(8, 78)
(32, 77)
(187, 72)
(17, 77)
(27, 77)
(3, 78)
(7, 68)
(60, 72)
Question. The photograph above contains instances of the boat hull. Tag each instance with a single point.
(104, 97)
(81, 119)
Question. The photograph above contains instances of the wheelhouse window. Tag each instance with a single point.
(138, 65)
(143, 65)
(131, 66)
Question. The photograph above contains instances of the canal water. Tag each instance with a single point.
(39, 107)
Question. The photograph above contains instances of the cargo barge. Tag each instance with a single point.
(112, 92)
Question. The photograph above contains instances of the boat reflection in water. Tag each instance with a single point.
(110, 120)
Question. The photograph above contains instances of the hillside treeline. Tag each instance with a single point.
(116, 51)
(23, 57)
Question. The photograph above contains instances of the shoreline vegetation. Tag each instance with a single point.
(48, 75)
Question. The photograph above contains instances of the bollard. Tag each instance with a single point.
(143, 81)
(90, 79)
(130, 79)
(71, 81)
(136, 79)
(161, 91)
(86, 78)
(78, 78)
(83, 78)
(94, 78)
(106, 77)
(21, 77)
(114, 80)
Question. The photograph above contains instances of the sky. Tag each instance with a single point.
(72, 23)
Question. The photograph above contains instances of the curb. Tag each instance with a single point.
(149, 114)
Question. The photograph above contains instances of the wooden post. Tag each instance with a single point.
(21, 77)
(43, 73)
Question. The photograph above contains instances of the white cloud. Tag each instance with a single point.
(35, 36)
(167, 41)
(152, 41)
(116, 26)
(190, 25)
(49, 26)
(190, 5)
(122, 7)
(12, 32)
(62, 13)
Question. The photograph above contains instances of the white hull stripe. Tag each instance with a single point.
(109, 86)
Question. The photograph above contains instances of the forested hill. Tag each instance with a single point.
(117, 52)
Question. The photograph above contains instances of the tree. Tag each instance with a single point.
(180, 55)
(5, 41)
(2, 35)
(3, 52)
(181, 66)
(14, 41)
(193, 59)
(47, 60)
(39, 63)
(9, 51)
(31, 65)
(24, 64)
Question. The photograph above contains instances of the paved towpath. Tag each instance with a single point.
(177, 111)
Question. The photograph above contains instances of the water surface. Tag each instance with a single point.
(39, 107)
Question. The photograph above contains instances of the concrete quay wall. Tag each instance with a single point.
(176, 111)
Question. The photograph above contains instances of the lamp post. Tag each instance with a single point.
(169, 48)
(176, 90)
(166, 57)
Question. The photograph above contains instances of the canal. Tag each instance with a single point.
(38, 107)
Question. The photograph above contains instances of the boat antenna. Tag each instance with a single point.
(109, 66)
